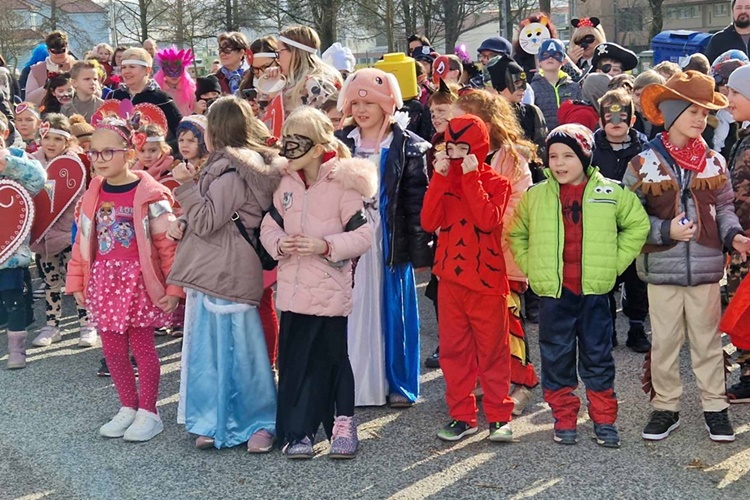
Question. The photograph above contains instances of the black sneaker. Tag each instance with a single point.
(718, 426)
(637, 341)
(740, 392)
(615, 343)
(103, 369)
(661, 424)
(434, 360)
(456, 430)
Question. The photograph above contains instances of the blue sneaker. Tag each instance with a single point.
(606, 435)
(567, 436)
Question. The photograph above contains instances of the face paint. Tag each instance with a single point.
(615, 112)
(295, 146)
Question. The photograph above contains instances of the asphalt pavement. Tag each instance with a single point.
(50, 413)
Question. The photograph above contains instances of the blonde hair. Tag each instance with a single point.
(231, 123)
(305, 64)
(106, 47)
(313, 123)
(152, 130)
(138, 54)
(667, 69)
(79, 66)
(503, 126)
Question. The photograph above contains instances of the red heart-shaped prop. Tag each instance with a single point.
(66, 179)
(170, 183)
(17, 214)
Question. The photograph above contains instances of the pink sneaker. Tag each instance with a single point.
(260, 442)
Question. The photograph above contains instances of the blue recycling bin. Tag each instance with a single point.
(673, 45)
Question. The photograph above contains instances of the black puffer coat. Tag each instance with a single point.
(405, 184)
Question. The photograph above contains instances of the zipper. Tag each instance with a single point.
(299, 258)
(558, 254)
(395, 202)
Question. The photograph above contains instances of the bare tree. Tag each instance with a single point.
(136, 19)
(657, 17)
(14, 41)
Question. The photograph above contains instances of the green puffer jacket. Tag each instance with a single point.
(615, 227)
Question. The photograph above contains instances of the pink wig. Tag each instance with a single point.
(174, 63)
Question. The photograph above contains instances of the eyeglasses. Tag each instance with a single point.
(58, 50)
(104, 155)
(259, 70)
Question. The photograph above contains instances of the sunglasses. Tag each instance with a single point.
(58, 50)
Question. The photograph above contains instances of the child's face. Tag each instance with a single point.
(188, 145)
(103, 55)
(692, 122)
(565, 165)
(64, 93)
(85, 144)
(739, 106)
(210, 96)
(611, 67)
(27, 125)
(149, 154)
(513, 97)
(441, 115)
(550, 65)
(618, 130)
(86, 83)
(335, 116)
(108, 155)
(118, 57)
(53, 145)
(367, 115)
(637, 99)
(426, 67)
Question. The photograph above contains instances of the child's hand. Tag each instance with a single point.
(469, 164)
(80, 299)
(679, 231)
(307, 245)
(742, 245)
(168, 303)
(288, 245)
(442, 163)
(184, 172)
(176, 230)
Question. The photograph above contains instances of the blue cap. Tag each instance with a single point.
(496, 44)
(552, 45)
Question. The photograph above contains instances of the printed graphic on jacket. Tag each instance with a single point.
(114, 227)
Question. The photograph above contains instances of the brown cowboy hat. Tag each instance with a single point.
(690, 86)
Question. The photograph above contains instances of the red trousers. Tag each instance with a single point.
(270, 322)
(116, 347)
(474, 342)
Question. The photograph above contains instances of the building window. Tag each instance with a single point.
(721, 10)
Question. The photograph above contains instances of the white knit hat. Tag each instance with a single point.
(340, 57)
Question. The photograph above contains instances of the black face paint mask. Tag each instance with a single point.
(295, 146)
(615, 110)
(515, 82)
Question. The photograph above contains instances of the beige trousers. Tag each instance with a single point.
(672, 308)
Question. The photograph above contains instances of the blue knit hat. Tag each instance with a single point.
(496, 44)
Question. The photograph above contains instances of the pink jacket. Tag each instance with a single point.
(503, 163)
(158, 170)
(331, 209)
(59, 236)
(152, 206)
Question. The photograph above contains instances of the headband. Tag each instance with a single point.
(157, 138)
(298, 45)
(45, 129)
(25, 106)
(273, 55)
(114, 128)
(135, 62)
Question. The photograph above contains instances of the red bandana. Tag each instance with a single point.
(691, 157)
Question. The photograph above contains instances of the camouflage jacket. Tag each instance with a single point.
(739, 164)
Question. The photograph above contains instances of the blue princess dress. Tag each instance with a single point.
(229, 391)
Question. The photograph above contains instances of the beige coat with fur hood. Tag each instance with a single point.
(212, 256)
(331, 209)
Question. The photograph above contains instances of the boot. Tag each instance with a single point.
(16, 350)
(637, 340)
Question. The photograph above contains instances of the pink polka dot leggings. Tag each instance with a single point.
(116, 347)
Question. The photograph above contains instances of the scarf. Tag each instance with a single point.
(691, 157)
(233, 78)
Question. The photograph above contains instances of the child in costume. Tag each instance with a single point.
(466, 201)
(384, 324)
(122, 245)
(191, 140)
(613, 59)
(509, 156)
(615, 144)
(59, 93)
(227, 390)
(315, 227)
(154, 155)
(54, 247)
(174, 79)
(27, 123)
(739, 165)
(572, 235)
(17, 166)
(686, 191)
(552, 86)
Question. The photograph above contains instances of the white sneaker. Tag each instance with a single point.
(116, 427)
(145, 427)
(48, 335)
(88, 336)
(521, 396)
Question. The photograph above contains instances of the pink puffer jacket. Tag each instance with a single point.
(503, 163)
(331, 209)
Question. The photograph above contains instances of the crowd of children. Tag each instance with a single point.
(534, 190)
